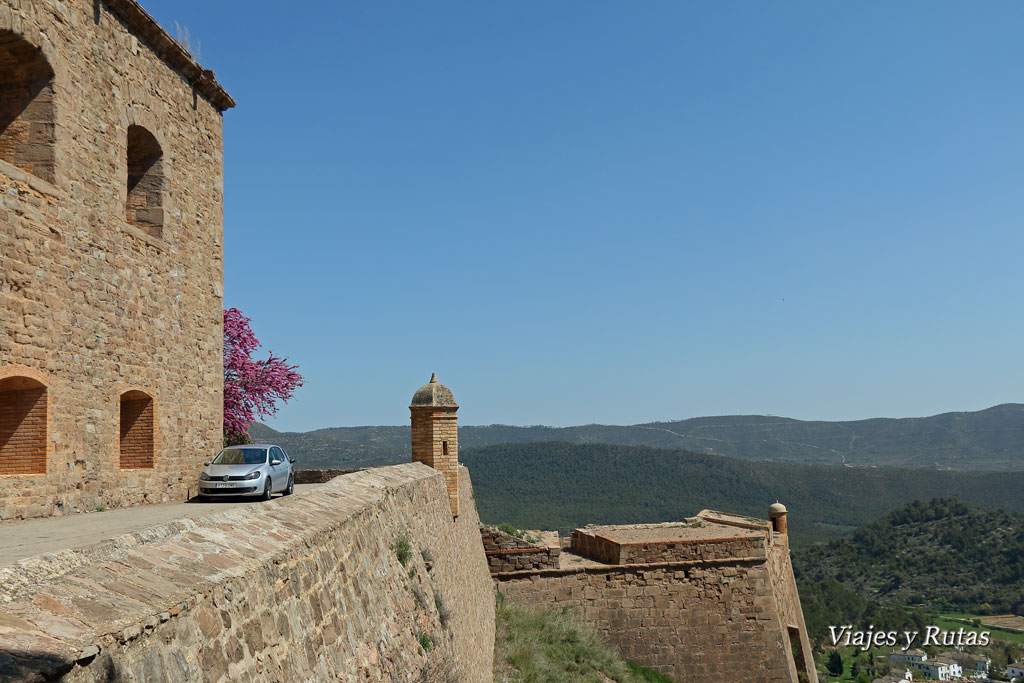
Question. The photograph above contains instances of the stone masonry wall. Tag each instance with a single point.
(610, 551)
(700, 622)
(780, 571)
(321, 476)
(93, 305)
(435, 442)
(308, 587)
(596, 546)
(506, 553)
(640, 553)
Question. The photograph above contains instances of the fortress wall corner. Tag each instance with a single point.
(720, 618)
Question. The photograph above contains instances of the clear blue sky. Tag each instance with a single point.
(618, 212)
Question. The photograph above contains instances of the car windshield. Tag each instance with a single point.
(241, 456)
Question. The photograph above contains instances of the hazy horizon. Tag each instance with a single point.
(616, 213)
(269, 424)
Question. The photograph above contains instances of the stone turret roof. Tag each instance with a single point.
(433, 394)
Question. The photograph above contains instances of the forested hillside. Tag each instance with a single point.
(561, 485)
(943, 555)
(991, 439)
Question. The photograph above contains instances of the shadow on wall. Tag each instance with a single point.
(27, 664)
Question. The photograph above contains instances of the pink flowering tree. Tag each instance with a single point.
(252, 388)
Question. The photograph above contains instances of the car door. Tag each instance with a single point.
(285, 468)
(290, 462)
(279, 472)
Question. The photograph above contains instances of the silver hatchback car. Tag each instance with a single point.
(255, 469)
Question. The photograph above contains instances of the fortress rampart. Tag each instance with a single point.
(706, 600)
(308, 587)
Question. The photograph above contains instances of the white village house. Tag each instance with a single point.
(910, 657)
(941, 669)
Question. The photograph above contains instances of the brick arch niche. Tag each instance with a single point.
(144, 203)
(27, 113)
(23, 425)
(137, 430)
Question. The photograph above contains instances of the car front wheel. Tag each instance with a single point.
(291, 486)
(267, 489)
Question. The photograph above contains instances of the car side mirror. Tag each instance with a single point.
(207, 463)
(275, 463)
(291, 461)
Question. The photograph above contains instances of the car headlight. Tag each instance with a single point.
(204, 477)
(253, 475)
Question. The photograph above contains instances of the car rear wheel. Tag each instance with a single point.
(267, 489)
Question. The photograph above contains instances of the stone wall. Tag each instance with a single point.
(321, 476)
(727, 611)
(710, 623)
(435, 442)
(612, 551)
(780, 571)
(309, 587)
(91, 305)
(507, 553)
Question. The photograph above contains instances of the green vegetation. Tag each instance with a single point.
(426, 642)
(444, 615)
(995, 632)
(507, 528)
(551, 647)
(982, 622)
(569, 485)
(850, 664)
(983, 440)
(834, 663)
(940, 556)
(827, 602)
(647, 674)
(403, 549)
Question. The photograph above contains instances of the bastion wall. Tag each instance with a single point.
(308, 587)
(708, 608)
(111, 196)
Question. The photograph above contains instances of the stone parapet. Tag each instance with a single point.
(309, 587)
(508, 553)
(321, 476)
(668, 542)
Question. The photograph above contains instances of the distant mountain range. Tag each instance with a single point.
(991, 439)
(561, 486)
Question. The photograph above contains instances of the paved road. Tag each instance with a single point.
(36, 536)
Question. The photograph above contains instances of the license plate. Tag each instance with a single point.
(226, 485)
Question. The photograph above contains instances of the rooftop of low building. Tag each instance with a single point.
(693, 529)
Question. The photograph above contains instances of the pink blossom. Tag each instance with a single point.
(252, 388)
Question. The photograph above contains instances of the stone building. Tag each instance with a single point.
(111, 199)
